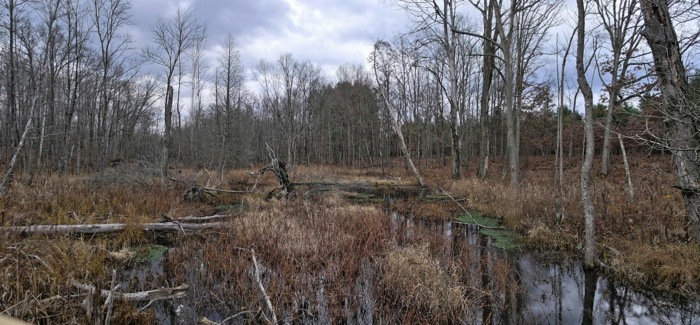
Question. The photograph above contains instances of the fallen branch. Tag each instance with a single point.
(150, 295)
(262, 288)
(110, 227)
(469, 214)
(110, 297)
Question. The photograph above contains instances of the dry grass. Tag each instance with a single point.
(654, 221)
(414, 281)
(672, 269)
(302, 247)
(325, 241)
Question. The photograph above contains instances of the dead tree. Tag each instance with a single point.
(682, 117)
(286, 187)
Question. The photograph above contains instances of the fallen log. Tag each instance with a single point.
(110, 227)
(150, 295)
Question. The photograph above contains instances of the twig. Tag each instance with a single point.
(199, 219)
(209, 189)
(146, 306)
(204, 320)
(110, 297)
(469, 214)
(262, 288)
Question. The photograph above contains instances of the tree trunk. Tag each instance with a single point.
(404, 149)
(587, 167)
(450, 47)
(9, 174)
(489, 57)
(167, 136)
(628, 175)
(681, 116)
(605, 162)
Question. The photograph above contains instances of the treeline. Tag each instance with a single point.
(461, 92)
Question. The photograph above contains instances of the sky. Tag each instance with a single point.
(328, 33)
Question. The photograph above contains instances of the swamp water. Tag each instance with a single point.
(503, 288)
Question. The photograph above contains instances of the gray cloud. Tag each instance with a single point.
(328, 33)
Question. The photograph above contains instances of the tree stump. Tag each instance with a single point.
(194, 194)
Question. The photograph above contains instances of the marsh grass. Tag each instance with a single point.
(671, 269)
(655, 221)
(413, 280)
(324, 256)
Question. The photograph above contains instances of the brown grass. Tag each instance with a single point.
(328, 242)
(414, 281)
(672, 269)
(654, 221)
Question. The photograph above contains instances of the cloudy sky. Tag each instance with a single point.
(326, 32)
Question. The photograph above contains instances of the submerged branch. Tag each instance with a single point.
(469, 214)
(150, 295)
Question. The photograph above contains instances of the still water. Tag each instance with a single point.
(532, 290)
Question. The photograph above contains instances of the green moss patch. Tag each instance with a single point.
(502, 238)
(149, 253)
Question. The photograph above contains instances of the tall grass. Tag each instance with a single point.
(323, 256)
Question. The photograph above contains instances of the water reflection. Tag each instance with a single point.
(510, 288)
(566, 294)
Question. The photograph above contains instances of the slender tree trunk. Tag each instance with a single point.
(628, 175)
(9, 174)
(12, 127)
(682, 117)
(167, 136)
(513, 167)
(587, 167)
(489, 57)
(450, 47)
(605, 162)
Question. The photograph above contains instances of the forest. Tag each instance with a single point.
(170, 183)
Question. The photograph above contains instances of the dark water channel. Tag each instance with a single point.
(536, 291)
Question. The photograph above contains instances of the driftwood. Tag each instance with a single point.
(150, 295)
(110, 227)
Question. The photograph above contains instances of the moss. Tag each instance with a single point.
(149, 253)
(502, 238)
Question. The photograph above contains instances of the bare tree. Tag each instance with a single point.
(108, 17)
(230, 92)
(489, 57)
(77, 35)
(622, 23)
(199, 72)
(388, 80)
(11, 127)
(172, 39)
(590, 252)
(681, 116)
(561, 80)
(439, 22)
(287, 87)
